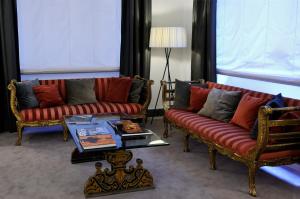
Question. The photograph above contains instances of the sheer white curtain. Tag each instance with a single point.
(60, 36)
(259, 39)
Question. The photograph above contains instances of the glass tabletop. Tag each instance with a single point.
(149, 139)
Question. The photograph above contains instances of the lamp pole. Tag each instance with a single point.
(167, 38)
(167, 68)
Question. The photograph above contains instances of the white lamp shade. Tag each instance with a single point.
(167, 37)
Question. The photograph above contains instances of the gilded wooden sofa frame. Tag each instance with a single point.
(281, 141)
(21, 123)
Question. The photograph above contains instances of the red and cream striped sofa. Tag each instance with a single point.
(270, 149)
(54, 115)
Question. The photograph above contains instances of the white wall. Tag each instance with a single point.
(171, 13)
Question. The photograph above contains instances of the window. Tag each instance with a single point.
(259, 39)
(69, 36)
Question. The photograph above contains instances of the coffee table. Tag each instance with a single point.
(119, 178)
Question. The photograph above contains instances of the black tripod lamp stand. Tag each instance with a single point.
(167, 38)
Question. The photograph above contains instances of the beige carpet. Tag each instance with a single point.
(41, 169)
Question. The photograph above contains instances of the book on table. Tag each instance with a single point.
(97, 137)
(80, 119)
(92, 131)
(97, 141)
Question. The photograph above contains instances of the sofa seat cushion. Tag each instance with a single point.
(57, 113)
(179, 117)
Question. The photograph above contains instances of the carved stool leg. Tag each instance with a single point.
(212, 157)
(252, 170)
(166, 131)
(19, 131)
(186, 143)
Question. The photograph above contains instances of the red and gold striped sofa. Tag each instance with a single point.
(270, 149)
(35, 117)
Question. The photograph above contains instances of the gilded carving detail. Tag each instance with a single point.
(119, 178)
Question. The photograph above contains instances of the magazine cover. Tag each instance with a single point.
(80, 119)
(97, 141)
(92, 131)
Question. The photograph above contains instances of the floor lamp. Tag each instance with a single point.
(167, 38)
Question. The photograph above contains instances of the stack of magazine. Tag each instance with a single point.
(97, 137)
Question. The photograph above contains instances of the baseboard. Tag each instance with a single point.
(155, 112)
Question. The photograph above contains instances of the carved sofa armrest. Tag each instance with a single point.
(147, 94)
(168, 95)
(270, 142)
(13, 100)
(168, 92)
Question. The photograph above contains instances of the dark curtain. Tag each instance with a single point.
(135, 51)
(9, 60)
(203, 64)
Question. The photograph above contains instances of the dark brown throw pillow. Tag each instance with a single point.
(182, 93)
(135, 90)
(25, 94)
(81, 91)
(221, 104)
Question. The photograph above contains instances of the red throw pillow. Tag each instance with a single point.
(198, 98)
(118, 90)
(48, 95)
(246, 112)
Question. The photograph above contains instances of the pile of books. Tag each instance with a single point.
(93, 138)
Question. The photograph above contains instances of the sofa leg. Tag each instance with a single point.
(212, 158)
(187, 143)
(251, 179)
(20, 132)
(166, 131)
(66, 132)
